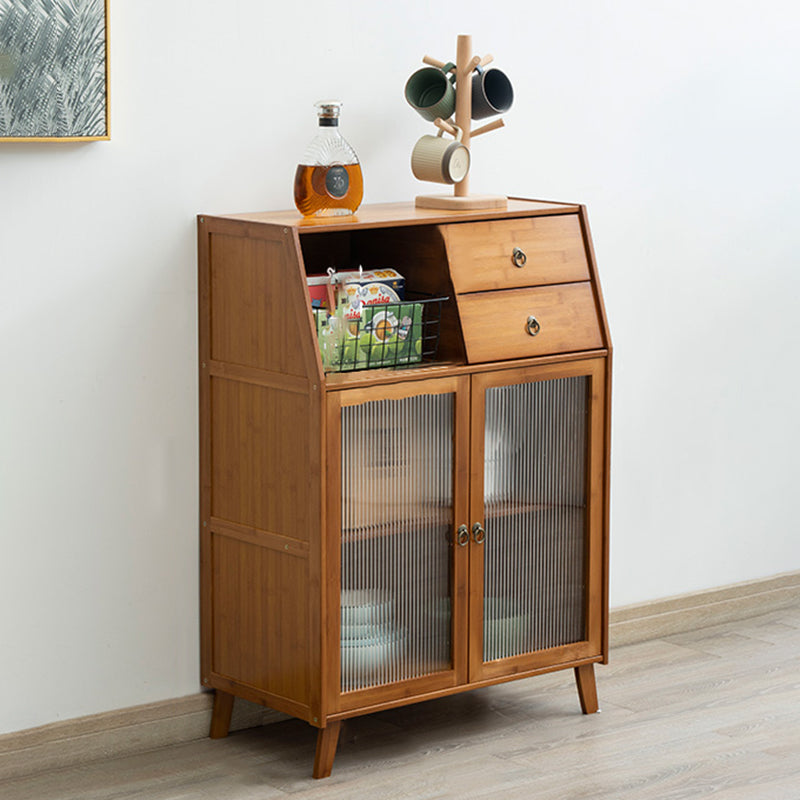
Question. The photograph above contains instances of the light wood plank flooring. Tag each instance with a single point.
(714, 713)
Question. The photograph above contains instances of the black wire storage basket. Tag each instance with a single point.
(387, 335)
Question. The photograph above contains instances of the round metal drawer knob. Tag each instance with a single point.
(518, 257)
(532, 326)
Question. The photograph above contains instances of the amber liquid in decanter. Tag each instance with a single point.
(328, 191)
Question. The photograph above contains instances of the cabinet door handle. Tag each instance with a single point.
(478, 533)
(532, 325)
(519, 258)
(462, 536)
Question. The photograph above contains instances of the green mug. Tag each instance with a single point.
(431, 93)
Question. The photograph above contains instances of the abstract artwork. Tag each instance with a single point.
(53, 70)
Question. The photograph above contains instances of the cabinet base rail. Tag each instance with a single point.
(328, 737)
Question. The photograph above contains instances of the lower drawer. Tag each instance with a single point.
(519, 323)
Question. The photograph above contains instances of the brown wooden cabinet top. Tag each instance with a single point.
(386, 215)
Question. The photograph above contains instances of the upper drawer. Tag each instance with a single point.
(522, 323)
(548, 250)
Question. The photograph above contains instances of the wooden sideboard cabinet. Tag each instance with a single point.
(380, 537)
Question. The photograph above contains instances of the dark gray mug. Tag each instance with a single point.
(491, 93)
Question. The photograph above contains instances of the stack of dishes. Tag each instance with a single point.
(503, 627)
(371, 641)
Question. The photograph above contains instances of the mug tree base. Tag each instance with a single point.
(467, 203)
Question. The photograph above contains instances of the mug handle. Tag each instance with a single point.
(480, 63)
(458, 134)
(447, 69)
(445, 125)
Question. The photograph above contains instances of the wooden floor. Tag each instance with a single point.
(711, 713)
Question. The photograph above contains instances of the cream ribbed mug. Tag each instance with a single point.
(440, 160)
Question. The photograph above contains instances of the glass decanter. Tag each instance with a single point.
(328, 180)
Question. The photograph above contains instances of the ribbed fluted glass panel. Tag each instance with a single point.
(397, 498)
(535, 516)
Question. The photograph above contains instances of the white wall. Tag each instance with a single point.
(676, 122)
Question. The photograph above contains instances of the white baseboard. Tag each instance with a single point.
(119, 733)
(147, 727)
(658, 618)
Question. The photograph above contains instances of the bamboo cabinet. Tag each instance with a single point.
(379, 537)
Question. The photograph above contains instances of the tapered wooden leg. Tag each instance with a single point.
(327, 739)
(221, 715)
(587, 688)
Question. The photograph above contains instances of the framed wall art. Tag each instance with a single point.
(54, 70)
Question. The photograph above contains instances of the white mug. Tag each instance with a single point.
(439, 160)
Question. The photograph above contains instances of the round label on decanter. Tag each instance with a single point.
(337, 181)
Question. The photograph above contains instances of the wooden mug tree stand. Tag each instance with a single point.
(461, 199)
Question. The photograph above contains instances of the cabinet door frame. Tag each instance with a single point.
(340, 702)
(592, 648)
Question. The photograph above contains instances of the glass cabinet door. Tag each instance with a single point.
(399, 566)
(535, 553)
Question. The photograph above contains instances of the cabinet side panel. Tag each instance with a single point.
(260, 455)
(261, 617)
(204, 311)
(601, 311)
(253, 317)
